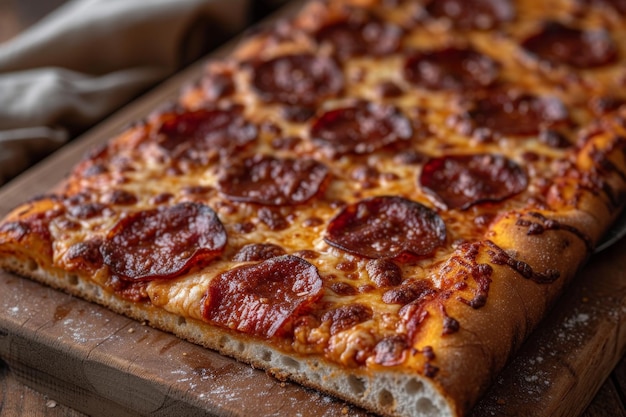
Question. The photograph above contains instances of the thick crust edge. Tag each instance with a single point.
(391, 393)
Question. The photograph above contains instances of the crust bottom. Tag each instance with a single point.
(385, 393)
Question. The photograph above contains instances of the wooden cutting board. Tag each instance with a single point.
(101, 363)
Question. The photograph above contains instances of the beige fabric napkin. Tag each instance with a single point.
(88, 58)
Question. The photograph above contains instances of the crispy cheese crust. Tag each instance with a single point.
(370, 198)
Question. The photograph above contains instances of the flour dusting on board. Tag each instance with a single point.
(571, 324)
(539, 365)
(227, 383)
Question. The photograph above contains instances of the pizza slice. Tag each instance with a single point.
(376, 199)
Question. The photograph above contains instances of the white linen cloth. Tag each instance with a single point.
(88, 58)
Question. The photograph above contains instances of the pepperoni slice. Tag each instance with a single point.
(386, 227)
(360, 129)
(560, 44)
(451, 69)
(265, 298)
(357, 38)
(273, 181)
(302, 79)
(472, 14)
(461, 181)
(189, 133)
(618, 5)
(506, 113)
(163, 243)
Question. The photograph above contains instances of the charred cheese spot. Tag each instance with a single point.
(258, 252)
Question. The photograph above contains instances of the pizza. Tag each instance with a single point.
(378, 199)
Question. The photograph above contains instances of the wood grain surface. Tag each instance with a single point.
(18, 399)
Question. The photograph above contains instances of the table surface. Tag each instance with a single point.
(17, 399)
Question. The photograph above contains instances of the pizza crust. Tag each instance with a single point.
(475, 354)
(395, 393)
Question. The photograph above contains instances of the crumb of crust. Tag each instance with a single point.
(278, 374)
